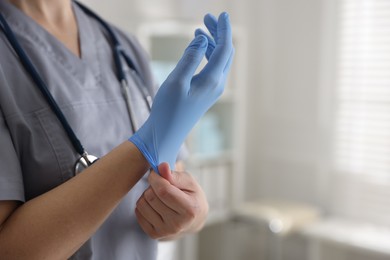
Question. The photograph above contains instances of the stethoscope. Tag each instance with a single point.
(85, 159)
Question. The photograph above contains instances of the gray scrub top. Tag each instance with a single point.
(35, 153)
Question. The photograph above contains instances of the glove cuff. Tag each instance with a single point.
(137, 141)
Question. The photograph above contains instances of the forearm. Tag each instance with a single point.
(55, 224)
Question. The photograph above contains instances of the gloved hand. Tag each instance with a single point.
(184, 97)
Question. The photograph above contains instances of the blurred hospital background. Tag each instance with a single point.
(295, 157)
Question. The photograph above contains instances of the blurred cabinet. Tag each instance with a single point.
(217, 143)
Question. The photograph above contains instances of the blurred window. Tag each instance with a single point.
(362, 129)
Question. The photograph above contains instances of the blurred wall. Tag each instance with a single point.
(130, 13)
(284, 106)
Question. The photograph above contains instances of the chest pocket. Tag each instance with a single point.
(45, 153)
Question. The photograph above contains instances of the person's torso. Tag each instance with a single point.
(89, 95)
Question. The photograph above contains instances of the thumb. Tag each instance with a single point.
(165, 172)
(192, 57)
(180, 180)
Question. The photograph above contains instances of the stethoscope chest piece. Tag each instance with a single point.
(84, 162)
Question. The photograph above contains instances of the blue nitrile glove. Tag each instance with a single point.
(184, 97)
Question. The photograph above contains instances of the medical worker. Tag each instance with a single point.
(73, 89)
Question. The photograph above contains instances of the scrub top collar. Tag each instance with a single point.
(41, 38)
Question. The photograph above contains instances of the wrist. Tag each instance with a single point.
(137, 154)
(138, 143)
(128, 161)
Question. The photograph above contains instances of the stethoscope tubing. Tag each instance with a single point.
(40, 83)
(118, 52)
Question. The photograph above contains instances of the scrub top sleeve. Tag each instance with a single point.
(11, 177)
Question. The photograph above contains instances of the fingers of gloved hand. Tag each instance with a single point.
(191, 59)
(224, 31)
(211, 23)
(227, 68)
(229, 63)
(220, 57)
(211, 42)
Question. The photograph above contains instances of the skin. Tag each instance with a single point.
(57, 17)
(55, 224)
(172, 205)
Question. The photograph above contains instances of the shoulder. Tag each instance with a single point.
(129, 40)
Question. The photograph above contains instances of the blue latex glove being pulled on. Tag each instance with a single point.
(184, 97)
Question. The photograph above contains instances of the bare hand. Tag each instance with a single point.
(174, 204)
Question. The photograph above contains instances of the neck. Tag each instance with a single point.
(56, 16)
(47, 11)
